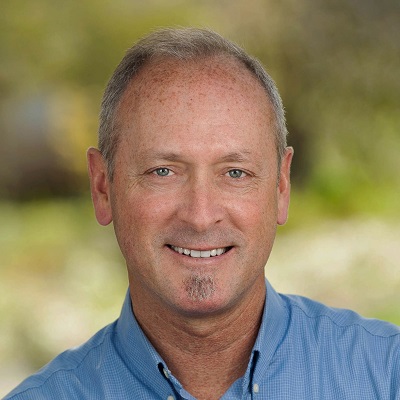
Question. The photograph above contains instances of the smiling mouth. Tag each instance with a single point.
(200, 253)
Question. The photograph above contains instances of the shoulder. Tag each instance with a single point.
(314, 314)
(341, 337)
(342, 348)
(69, 368)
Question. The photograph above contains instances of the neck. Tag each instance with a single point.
(206, 354)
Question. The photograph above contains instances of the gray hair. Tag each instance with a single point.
(181, 44)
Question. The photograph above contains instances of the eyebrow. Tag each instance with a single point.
(170, 156)
(236, 156)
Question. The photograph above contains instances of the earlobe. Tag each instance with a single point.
(99, 186)
(284, 186)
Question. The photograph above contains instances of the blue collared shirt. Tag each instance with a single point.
(304, 350)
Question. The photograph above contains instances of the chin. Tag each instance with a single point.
(202, 310)
(202, 298)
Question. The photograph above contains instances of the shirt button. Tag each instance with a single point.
(170, 398)
(166, 374)
(256, 388)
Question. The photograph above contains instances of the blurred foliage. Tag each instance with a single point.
(61, 279)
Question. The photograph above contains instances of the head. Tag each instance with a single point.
(182, 45)
(193, 171)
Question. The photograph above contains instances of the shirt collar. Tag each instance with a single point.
(142, 359)
(137, 352)
(274, 325)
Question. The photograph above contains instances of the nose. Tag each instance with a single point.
(202, 205)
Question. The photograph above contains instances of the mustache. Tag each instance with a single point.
(187, 236)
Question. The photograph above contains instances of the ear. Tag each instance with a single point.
(284, 186)
(99, 186)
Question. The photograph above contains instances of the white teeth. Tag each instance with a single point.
(195, 253)
(199, 253)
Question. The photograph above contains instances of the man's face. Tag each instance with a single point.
(195, 197)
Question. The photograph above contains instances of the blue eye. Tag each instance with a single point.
(162, 171)
(236, 173)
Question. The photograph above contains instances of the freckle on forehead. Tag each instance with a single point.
(184, 106)
(158, 77)
(193, 94)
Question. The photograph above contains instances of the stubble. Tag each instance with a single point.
(199, 287)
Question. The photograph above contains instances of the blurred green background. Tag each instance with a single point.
(337, 65)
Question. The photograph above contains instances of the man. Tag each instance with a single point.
(193, 171)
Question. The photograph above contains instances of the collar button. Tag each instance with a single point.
(166, 374)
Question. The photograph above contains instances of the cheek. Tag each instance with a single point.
(259, 211)
(257, 219)
(139, 205)
(139, 218)
(154, 211)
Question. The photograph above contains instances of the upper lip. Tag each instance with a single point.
(200, 248)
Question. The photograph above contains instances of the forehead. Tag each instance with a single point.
(164, 81)
(186, 99)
